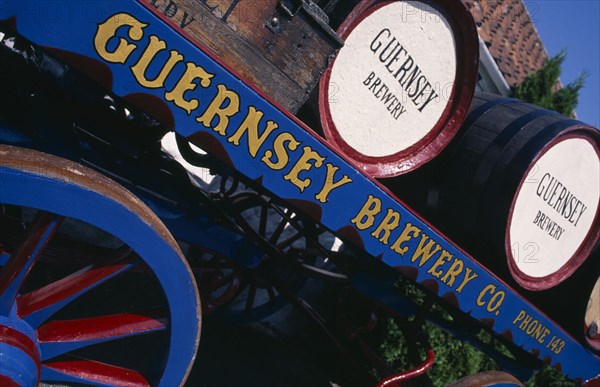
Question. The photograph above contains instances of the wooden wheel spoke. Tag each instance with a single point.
(231, 276)
(289, 240)
(62, 336)
(276, 230)
(234, 285)
(37, 306)
(232, 293)
(251, 297)
(91, 372)
(20, 263)
(232, 280)
(228, 295)
(264, 216)
(279, 229)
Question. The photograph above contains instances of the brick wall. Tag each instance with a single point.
(510, 35)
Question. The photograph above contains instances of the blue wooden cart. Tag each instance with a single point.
(82, 155)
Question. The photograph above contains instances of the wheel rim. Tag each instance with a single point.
(38, 333)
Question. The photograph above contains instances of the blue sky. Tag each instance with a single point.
(574, 25)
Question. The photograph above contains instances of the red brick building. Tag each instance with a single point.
(510, 45)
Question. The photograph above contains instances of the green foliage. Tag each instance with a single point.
(454, 359)
(540, 89)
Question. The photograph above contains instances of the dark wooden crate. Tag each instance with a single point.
(281, 46)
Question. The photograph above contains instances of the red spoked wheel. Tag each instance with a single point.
(220, 279)
(127, 314)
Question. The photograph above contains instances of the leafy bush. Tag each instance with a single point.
(542, 87)
(454, 359)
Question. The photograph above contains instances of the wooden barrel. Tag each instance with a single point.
(399, 89)
(488, 379)
(575, 303)
(591, 325)
(523, 183)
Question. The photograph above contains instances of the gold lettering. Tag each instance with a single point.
(444, 256)
(139, 69)
(216, 108)
(366, 216)
(108, 30)
(408, 233)
(519, 317)
(496, 301)
(250, 126)
(525, 322)
(279, 147)
(303, 164)
(532, 327)
(185, 84)
(488, 289)
(389, 223)
(424, 250)
(543, 335)
(454, 270)
(469, 275)
(329, 184)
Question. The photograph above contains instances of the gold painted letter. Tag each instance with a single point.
(455, 269)
(469, 275)
(250, 125)
(408, 233)
(186, 83)
(216, 109)
(141, 67)
(330, 185)
(108, 30)
(424, 250)
(387, 225)
(282, 156)
(303, 164)
(441, 261)
(366, 216)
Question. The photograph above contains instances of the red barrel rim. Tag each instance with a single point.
(589, 241)
(467, 57)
